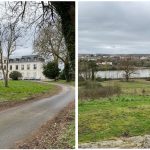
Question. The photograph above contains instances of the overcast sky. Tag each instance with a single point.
(114, 27)
(25, 43)
(24, 46)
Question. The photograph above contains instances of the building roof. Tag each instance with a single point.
(27, 58)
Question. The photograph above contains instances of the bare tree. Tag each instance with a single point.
(66, 11)
(10, 31)
(38, 14)
(87, 69)
(84, 70)
(128, 68)
(50, 42)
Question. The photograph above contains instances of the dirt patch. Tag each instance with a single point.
(52, 134)
(8, 104)
(125, 143)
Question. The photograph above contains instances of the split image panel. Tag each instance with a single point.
(114, 73)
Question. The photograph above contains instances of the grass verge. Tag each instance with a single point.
(72, 83)
(22, 90)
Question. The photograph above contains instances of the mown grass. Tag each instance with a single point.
(116, 116)
(22, 90)
(72, 83)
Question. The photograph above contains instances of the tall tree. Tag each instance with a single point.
(87, 69)
(50, 43)
(66, 11)
(10, 31)
(128, 68)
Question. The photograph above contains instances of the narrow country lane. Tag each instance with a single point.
(18, 122)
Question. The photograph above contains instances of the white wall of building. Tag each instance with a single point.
(29, 70)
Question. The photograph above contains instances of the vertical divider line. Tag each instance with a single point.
(76, 74)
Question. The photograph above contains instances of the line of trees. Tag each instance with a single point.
(88, 69)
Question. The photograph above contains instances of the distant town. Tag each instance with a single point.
(113, 60)
(114, 56)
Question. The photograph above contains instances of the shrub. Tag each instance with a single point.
(51, 70)
(80, 78)
(95, 93)
(88, 84)
(99, 79)
(15, 75)
(62, 75)
(148, 79)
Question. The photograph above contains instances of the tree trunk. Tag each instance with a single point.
(6, 82)
(66, 10)
(93, 76)
(67, 71)
(127, 77)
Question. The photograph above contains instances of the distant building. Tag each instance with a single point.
(31, 67)
(143, 58)
(104, 63)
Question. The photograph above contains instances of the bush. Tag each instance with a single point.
(95, 93)
(51, 70)
(148, 79)
(80, 78)
(88, 84)
(62, 75)
(99, 79)
(15, 75)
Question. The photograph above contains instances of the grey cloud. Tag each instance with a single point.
(114, 27)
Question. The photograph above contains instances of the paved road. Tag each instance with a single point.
(18, 122)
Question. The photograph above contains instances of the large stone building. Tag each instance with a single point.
(31, 67)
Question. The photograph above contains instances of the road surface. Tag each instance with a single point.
(18, 122)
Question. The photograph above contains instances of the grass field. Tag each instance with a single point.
(117, 116)
(22, 90)
(72, 83)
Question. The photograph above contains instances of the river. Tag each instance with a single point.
(114, 74)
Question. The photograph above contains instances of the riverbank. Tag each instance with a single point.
(113, 68)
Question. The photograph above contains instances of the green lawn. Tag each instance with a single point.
(116, 116)
(72, 83)
(22, 90)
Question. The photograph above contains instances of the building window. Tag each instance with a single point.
(4, 61)
(34, 66)
(22, 67)
(35, 58)
(10, 67)
(34, 75)
(28, 59)
(17, 60)
(11, 60)
(28, 75)
(16, 67)
(28, 67)
(22, 59)
(4, 67)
